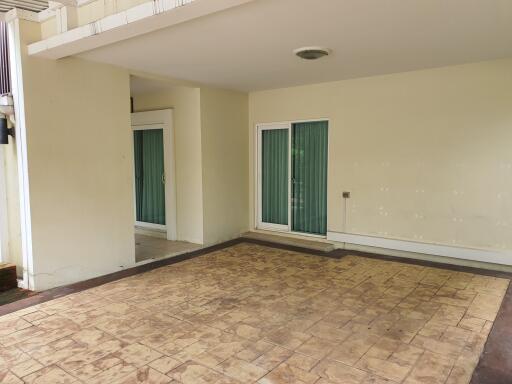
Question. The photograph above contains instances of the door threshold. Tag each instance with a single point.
(292, 239)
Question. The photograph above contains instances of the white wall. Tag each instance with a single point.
(77, 116)
(426, 154)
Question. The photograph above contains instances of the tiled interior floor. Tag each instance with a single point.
(149, 247)
(253, 314)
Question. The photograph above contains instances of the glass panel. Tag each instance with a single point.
(149, 176)
(274, 178)
(309, 177)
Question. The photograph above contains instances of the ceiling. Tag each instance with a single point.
(249, 47)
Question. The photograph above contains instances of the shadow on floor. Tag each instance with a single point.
(15, 294)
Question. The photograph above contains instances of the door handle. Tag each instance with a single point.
(163, 178)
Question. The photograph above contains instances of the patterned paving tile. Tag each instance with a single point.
(253, 314)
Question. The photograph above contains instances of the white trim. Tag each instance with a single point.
(474, 254)
(4, 231)
(163, 119)
(290, 122)
(21, 147)
(260, 127)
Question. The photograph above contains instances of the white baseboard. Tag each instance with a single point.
(473, 254)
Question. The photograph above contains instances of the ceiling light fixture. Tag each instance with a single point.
(312, 53)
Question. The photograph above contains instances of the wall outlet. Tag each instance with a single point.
(346, 195)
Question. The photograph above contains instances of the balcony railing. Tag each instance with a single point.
(5, 77)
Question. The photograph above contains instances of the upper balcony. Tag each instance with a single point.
(5, 76)
(70, 27)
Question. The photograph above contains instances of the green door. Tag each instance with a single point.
(149, 176)
(309, 177)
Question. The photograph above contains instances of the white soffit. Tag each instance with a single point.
(249, 47)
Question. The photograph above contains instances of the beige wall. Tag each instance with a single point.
(224, 117)
(426, 154)
(79, 167)
(10, 173)
(187, 126)
(211, 159)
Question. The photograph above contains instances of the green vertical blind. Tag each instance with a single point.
(149, 176)
(274, 180)
(309, 177)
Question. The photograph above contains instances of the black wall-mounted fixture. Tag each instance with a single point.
(4, 131)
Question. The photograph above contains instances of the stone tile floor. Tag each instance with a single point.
(253, 314)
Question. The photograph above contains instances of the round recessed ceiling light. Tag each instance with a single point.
(312, 53)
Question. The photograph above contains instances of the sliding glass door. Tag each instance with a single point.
(273, 177)
(309, 177)
(292, 177)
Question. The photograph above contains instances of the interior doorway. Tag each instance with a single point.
(154, 173)
(160, 111)
(155, 187)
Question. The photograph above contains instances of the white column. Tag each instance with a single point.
(15, 57)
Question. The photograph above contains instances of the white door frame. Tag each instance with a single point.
(161, 119)
(260, 127)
